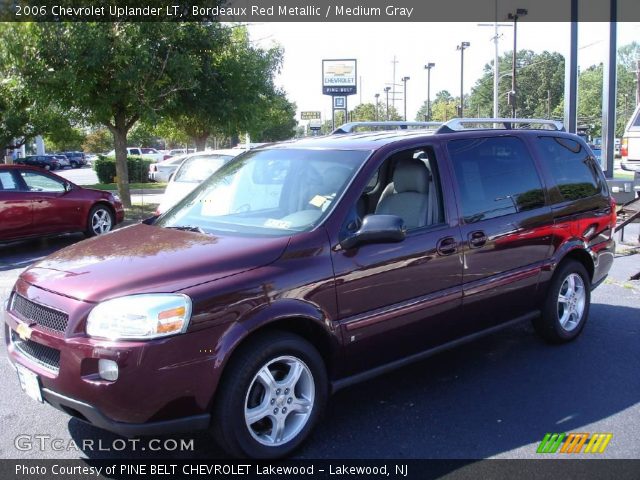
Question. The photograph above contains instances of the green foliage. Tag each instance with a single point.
(538, 76)
(443, 107)
(64, 138)
(277, 122)
(99, 140)
(138, 168)
(369, 112)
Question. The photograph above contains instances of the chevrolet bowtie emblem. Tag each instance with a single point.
(24, 331)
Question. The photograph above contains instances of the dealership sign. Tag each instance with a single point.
(310, 116)
(339, 77)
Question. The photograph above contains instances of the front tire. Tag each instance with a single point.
(567, 304)
(272, 394)
(100, 221)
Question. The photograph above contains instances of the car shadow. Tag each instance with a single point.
(22, 253)
(491, 396)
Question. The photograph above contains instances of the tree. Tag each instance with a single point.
(443, 107)
(98, 141)
(64, 137)
(110, 74)
(277, 121)
(23, 113)
(367, 112)
(233, 87)
(539, 77)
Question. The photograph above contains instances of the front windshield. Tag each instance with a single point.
(268, 192)
(199, 168)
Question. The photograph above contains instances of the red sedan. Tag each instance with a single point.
(34, 202)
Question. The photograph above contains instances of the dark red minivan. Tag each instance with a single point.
(302, 267)
(35, 203)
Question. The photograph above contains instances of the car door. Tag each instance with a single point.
(16, 210)
(506, 227)
(397, 299)
(54, 209)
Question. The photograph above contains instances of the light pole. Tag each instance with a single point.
(428, 68)
(520, 12)
(461, 47)
(404, 80)
(386, 90)
(377, 95)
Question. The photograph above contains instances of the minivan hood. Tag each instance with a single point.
(145, 258)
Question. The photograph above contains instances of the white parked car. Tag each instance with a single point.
(194, 169)
(150, 153)
(630, 149)
(162, 171)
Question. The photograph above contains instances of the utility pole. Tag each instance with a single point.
(496, 60)
(548, 104)
(393, 84)
(404, 80)
(461, 48)
(428, 68)
(386, 90)
(638, 81)
(377, 95)
(520, 12)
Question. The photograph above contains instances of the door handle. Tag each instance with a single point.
(477, 239)
(447, 246)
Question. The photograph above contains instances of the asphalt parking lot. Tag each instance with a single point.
(493, 398)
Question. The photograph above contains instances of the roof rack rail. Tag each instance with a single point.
(458, 124)
(351, 126)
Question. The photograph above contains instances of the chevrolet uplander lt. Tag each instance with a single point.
(304, 266)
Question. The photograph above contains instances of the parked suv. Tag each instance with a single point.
(302, 267)
(77, 159)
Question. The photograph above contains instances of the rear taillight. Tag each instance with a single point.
(624, 148)
(614, 215)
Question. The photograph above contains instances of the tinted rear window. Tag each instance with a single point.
(570, 166)
(496, 176)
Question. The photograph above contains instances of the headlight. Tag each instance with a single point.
(140, 317)
(116, 197)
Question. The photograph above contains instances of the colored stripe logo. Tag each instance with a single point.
(574, 443)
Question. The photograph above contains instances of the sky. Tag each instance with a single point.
(374, 45)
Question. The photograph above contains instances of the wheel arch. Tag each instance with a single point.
(581, 255)
(311, 325)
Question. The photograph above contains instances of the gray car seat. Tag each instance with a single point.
(409, 198)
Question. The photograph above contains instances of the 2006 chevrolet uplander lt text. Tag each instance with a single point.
(304, 266)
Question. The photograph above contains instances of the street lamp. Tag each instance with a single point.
(386, 90)
(377, 95)
(428, 68)
(461, 47)
(404, 80)
(520, 12)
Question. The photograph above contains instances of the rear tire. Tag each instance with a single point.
(567, 304)
(271, 396)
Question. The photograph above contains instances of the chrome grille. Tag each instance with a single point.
(34, 312)
(41, 354)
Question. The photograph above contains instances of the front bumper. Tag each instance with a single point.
(90, 414)
(164, 385)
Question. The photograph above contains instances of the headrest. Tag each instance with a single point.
(411, 175)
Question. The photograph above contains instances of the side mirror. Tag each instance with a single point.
(68, 187)
(377, 229)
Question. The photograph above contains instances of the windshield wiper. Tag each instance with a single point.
(188, 228)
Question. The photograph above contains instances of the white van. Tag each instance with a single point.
(630, 149)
